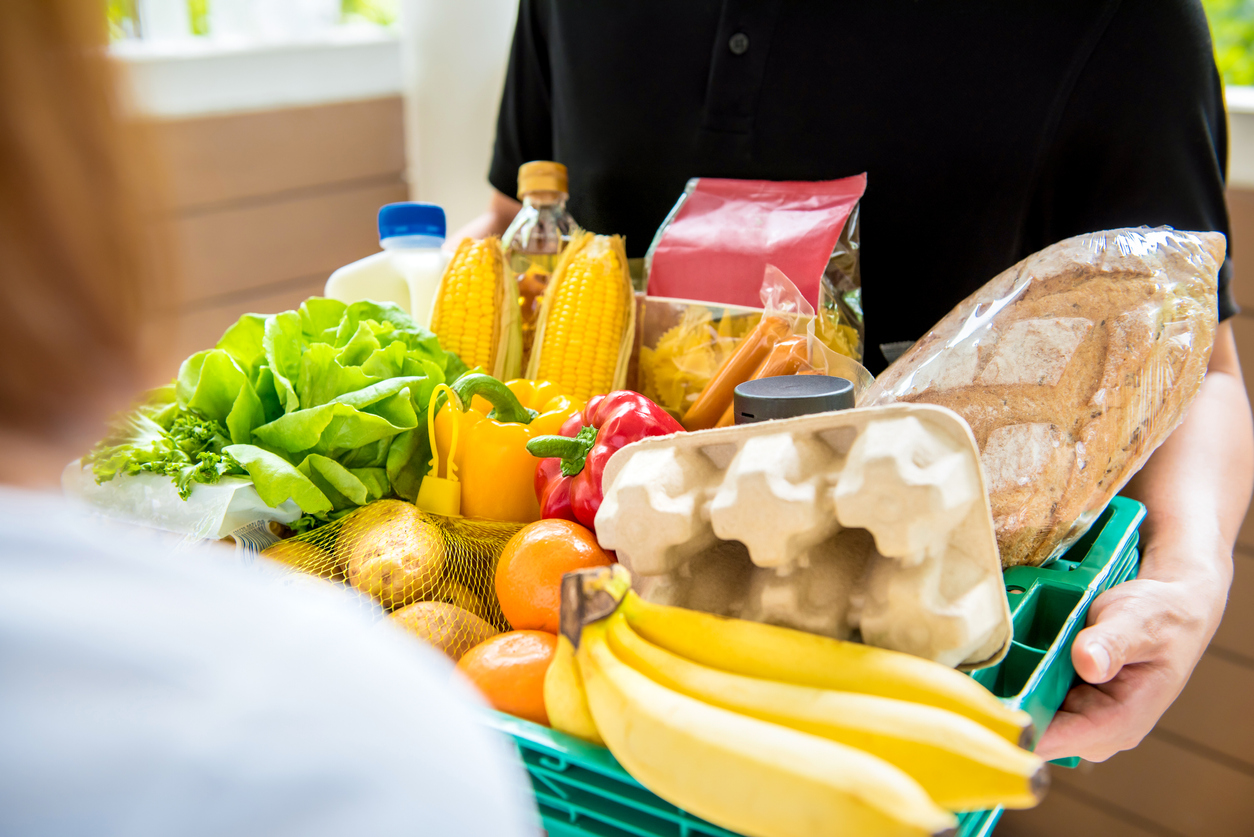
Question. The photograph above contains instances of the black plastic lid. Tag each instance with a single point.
(791, 395)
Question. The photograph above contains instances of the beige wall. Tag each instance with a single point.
(263, 206)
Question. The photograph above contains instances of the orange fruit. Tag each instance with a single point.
(529, 573)
(508, 669)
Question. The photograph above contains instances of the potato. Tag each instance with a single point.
(392, 552)
(449, 628)
(456, 593)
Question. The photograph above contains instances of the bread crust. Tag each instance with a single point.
(1071, 367)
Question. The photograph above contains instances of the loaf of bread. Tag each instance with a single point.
(1071, 368)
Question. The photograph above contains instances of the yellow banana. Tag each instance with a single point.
(962, 765)
(747, 775)
(564, 698)
(788, 656)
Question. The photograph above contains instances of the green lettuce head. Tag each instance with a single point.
(325, 405)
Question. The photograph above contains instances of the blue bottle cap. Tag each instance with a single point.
(410, 218)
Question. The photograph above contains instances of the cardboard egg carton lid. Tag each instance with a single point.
(800, 494)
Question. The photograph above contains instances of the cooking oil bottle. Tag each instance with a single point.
(536, 237)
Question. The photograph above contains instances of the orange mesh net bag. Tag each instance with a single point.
(434, 575)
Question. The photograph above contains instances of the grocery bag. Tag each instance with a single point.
(722, 233)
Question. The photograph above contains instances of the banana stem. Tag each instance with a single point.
(590, 596)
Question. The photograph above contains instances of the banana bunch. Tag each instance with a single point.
(772, 732)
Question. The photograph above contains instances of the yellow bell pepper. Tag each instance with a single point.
(494, 424)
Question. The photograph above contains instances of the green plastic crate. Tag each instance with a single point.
(582, 791)
(1049, 605)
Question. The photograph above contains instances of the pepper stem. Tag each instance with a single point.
(505, 405)
(572, 450)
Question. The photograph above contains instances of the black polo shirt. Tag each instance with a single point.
(988, 129)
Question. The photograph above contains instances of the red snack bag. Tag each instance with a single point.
(720, 236)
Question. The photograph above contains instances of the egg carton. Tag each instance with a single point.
(868, 524)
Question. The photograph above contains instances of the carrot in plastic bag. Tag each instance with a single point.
(787, 357)
(718, 394)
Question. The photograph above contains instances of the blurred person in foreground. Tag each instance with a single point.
(987, 131)
(147, 691)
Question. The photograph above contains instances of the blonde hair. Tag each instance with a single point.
(77, 284)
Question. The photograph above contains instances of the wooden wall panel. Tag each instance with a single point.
(1213, 711)
(201, 328)
(266, 205)
(1063, 814)
(1241, 217)
(223, 158)
(233, 250)
(1171, 786)
(1243, 332)
(1236, 632)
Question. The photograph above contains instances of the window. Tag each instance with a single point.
(1232, 31)
(264, 20)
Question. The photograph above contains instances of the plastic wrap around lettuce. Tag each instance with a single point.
(324, 406)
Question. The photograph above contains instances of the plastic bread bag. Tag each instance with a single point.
(722, 233)
(1071, 367)
(782, 342)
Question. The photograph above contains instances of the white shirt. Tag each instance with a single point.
(149, 690)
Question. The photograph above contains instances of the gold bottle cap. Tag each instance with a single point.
(541, 176)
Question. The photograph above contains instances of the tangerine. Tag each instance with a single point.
(529, 573)
(508, 670)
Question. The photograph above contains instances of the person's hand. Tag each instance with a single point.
(1142, 641)
(495, 221)
(1145, 636)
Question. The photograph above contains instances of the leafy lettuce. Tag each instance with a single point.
(158, 438)
(325, 405)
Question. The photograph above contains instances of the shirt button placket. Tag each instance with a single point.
(738, 43)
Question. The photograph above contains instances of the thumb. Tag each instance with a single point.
(1117, 636)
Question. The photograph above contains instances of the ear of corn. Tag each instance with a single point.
(475, 313)
(588, 319)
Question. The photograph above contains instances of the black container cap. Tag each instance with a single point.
(787, 396)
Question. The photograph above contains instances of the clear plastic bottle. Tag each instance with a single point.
(536, 237)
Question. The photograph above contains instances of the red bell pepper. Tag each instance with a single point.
(568, 478)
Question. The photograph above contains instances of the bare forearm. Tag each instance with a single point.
(1196, 487)
(1145, 636)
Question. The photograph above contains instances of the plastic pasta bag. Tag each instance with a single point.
(1071, 367)
(722, 233)
(683, 344)
(782, 341)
